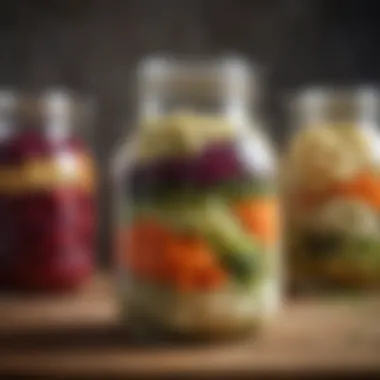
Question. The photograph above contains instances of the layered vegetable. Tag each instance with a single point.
(332, 186)
(202, 218)
(47, 212)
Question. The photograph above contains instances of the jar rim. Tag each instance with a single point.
(360, 103)
(320, 93)
(229, 80)
(160, 63)
(167, 70)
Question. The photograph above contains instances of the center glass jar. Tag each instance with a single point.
(196, 205)
(332, 190)
(47, 209)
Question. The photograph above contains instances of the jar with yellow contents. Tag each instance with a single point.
(196, 205)
(331, 178)
(47, 209)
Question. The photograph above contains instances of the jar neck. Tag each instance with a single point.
(356, 118)
(220, 88)
(50, 115)
(356, 108)
(154, 107)
(55, 129)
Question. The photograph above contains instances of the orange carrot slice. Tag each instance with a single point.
(188, 259)
(260, 217)
(153, 252)
(365, 187)
(140, 247)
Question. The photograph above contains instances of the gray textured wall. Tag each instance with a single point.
(91, 45)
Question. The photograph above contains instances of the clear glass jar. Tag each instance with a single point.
(47, 209)
(197, 225)
(332, 189)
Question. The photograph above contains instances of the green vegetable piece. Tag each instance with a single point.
(237, 251)
(245, 267)
(212, 219)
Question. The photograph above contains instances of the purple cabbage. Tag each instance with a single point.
(216, 164)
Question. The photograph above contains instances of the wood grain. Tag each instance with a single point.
(78, 336)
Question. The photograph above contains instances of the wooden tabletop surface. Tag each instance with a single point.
(78, 336)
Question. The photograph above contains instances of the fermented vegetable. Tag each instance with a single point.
(198, 225)
(332, 192)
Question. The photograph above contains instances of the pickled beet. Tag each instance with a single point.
(46, 238)
(61, 273)
(46, 235)
(215, 164)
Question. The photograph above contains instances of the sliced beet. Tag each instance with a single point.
(8, 155)
(31, 144)
(35, 143)
(59, 273)
(8, 231)
(214, 165)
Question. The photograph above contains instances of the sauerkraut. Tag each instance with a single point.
(332, 191)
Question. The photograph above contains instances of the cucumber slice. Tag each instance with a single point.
(237, 251)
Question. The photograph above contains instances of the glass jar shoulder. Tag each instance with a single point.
(331, 177)
(318, 156)
(197, 149)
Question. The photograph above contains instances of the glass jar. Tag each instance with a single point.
(47, 210)
(332, 189)
(197, 209)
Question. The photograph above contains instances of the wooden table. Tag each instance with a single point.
(77, 336)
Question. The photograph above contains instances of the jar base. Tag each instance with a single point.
(330, 288)
(147, 331)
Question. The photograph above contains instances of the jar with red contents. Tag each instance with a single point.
(47, 210)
